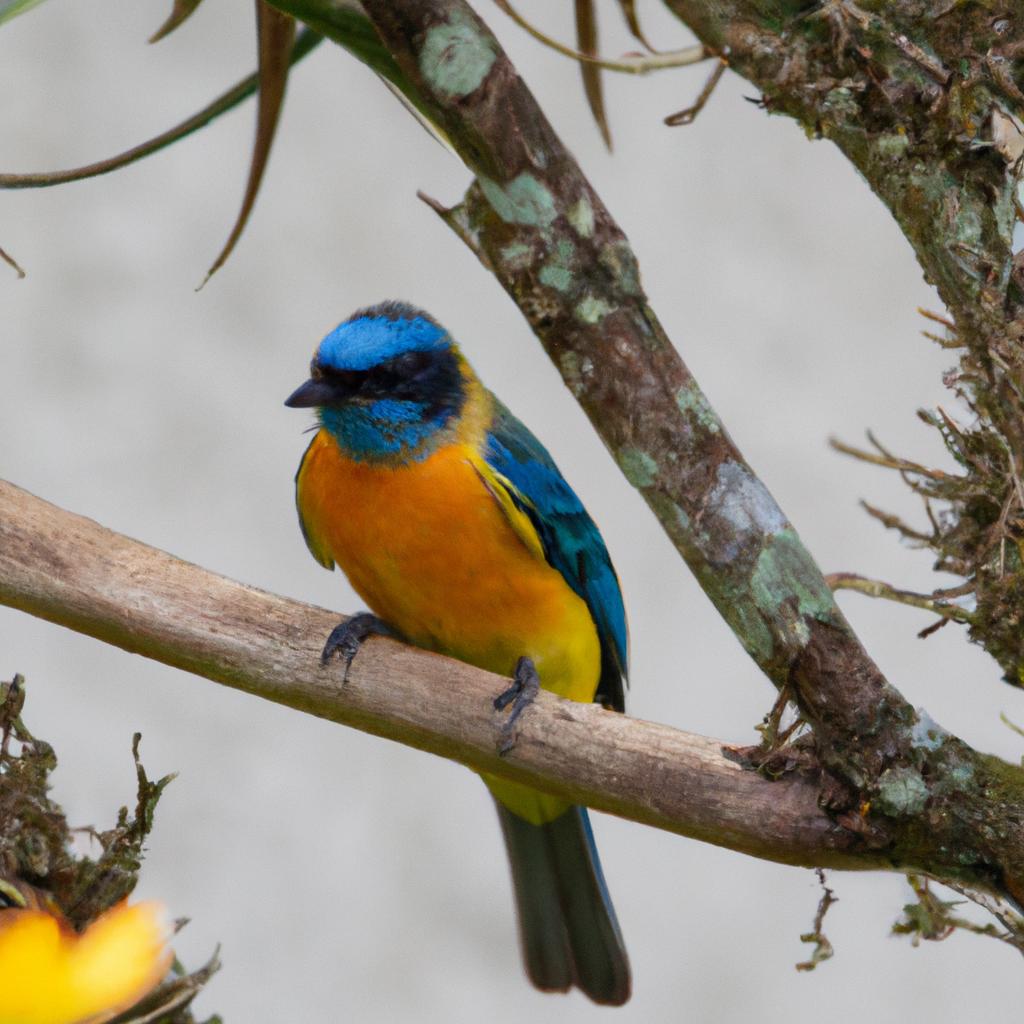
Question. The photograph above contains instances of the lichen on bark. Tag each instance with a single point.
(926, 99)
(522, 212)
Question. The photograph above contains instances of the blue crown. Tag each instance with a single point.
(378, 333)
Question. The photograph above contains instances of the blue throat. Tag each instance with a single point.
(387, 430)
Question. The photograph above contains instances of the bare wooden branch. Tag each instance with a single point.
(72, 571)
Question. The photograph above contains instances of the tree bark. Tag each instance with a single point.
(536, 223)
(72, 571)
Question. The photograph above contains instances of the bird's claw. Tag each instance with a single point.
(347, 637)
(521, 694)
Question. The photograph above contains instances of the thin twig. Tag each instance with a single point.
(887, 592)
(11, 262)
(689, 114)
(822, 947)
(893, 522)
(936, 318)
(888, 460)
(941, 341)
(1010, 725)
(629, 64)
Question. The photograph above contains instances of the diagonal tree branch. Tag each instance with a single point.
(535, 222)
(70, 570)
(896, 788)
(926, 100)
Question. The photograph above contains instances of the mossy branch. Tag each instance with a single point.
(926, 100)
(536, 223)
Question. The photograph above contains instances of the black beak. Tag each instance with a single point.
(314, 392)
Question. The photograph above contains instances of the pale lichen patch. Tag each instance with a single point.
(926, 732)
(784, 571)
(517, 256)
(746, 507)
(638, 467)
(581, 217)
(590, 309)
(901, 793)
(691, 401)
(558, 273)
(523, 200)
(456, 58)
(618, 258)
(554, 275)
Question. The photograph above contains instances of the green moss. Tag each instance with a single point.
(456, 58)
(750, 627)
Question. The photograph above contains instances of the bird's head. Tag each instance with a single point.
(388, 384)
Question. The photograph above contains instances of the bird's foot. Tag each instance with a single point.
(347, 637)
(521, 694)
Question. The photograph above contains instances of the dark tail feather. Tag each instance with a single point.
(567, 925)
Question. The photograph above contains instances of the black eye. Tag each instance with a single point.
(410, 363)
(349, 380)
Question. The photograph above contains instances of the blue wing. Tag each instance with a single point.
(571, 541)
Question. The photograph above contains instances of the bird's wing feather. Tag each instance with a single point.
(316, 547)
(570, 542)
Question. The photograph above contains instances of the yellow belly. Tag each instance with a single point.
(431, 552)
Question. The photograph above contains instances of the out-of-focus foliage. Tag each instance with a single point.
(72, 906)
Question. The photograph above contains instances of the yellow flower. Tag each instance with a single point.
(51, 975)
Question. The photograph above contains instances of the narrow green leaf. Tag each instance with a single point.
(12, 8)
(304, 44)
(275, 33)
(586, 38)
(181, 10)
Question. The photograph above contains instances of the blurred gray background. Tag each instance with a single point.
(350, 878)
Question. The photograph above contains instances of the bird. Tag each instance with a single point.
(453, 523)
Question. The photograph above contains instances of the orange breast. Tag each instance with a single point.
(431, 552)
